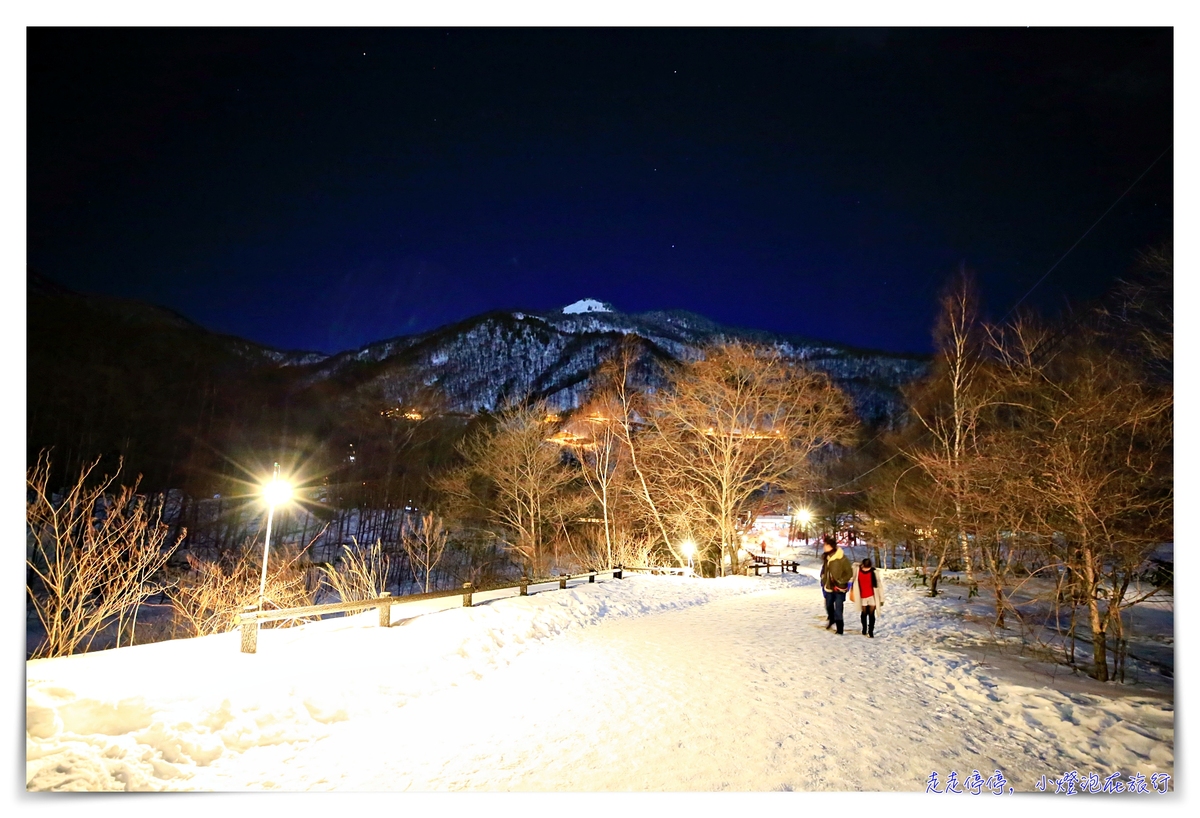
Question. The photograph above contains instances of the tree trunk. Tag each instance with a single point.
(937, 574)
(1099, 645)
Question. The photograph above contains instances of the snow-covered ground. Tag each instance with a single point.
(641, 684)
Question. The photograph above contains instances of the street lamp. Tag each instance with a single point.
(689, 551)
(275, 493)
(804, 517)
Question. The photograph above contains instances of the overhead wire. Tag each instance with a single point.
(1022, 299)
(1086, 232)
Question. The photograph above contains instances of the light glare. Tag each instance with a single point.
(276, 492)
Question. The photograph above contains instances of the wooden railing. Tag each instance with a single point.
(251, 618)
(659, 569)
(784, 566)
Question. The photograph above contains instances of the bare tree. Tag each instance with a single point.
(601, 453)
(1093, 449)
(1139, 315)
(424, 545)
(908, 499)
(630, 410)
(512, 477)
(951, 406)
(93, 557)
(738, 422)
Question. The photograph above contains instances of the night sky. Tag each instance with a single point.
(321, 189)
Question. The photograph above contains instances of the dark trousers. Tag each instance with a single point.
(868, 619)
(833, 607)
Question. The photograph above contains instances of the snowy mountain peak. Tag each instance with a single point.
(586, 305)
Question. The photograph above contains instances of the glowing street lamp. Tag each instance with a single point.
(689, 551)
(275, 493)
(804, 517)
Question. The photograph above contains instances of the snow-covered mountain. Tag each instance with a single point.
(132, 381)
(483, 362)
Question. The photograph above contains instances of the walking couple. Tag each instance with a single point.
(839, 577)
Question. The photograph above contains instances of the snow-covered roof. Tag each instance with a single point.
(586, 305)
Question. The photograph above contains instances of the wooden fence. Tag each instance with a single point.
(251, 618)
(683, 572)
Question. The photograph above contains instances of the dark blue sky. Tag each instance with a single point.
(320, 189)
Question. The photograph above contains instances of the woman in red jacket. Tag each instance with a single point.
(867, 593)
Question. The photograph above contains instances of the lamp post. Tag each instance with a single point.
(804, 517)
(689, 551)
(276, 492)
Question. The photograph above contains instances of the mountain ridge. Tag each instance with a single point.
(125, 379)
(485, 361)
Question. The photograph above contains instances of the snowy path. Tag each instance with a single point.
(743, 691)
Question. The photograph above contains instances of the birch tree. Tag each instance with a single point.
(950, 407)
(601, 453)
(630, 410)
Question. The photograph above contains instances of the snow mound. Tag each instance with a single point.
(586, 305)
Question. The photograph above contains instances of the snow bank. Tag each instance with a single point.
(148, 717)
(643, 684)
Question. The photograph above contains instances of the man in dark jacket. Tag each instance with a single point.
(836, 582)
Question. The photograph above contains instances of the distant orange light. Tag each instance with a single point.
(570, 439)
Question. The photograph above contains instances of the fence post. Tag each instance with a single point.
(524, 585)
(592, 576)
(249, 631)
(562, 583)
(467, 594)
(385, 610)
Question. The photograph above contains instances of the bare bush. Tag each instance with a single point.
(208, 598)
(92, 558)
(635, 550)
(361, 573)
